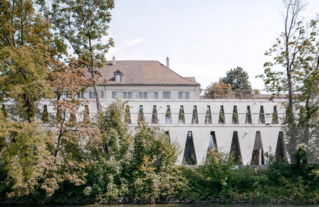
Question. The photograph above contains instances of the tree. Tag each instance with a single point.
(83, 25)
(26, 50)
(218, 90)
(238, 79)
(286, 52)
(296, 51)
(141, 167)
(24, 154)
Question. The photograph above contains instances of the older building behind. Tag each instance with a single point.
(246, 124)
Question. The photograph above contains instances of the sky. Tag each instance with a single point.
(202, 38)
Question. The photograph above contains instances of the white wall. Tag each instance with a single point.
(194, 91)
(201, 131)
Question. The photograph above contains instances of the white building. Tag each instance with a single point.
(173, 102)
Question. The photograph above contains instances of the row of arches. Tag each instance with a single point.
(181, 115)
(208, 115)
(258, 154)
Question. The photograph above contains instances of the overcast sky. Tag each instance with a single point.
(202, 38)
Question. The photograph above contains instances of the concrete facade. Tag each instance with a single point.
(201, 132)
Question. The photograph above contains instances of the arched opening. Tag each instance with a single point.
(275, 116)
(168, 116)
(248, 116)
(235, 149)
(258, 152)
(181, 116)
(45, 115)
(154, 115)
(221, 119)
(212, 145)
(280, 150)
(261, 115)
(195, 115)
(127, 117)
(189, 152)
(208, 118)
(235, 116)
(141, 114)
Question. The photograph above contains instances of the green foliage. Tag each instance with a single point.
(168, 116)
(181, 115)
(248, 119)
(27, 48)
(261, 116)
(195, 116)
(127, 114)
(238, 79)
(3, 111)
(208, 117)
(221, 118)
(86, 117)
(45, 115)
(141, 114)
(219, 90)
(235, 116)
(154, 116)
(141, 168)
(83, 24)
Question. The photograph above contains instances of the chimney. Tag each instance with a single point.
(167, 62)
(113, 63)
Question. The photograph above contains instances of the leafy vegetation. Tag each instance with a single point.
(68, 157)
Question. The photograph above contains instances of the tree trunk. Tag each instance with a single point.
(98, 106)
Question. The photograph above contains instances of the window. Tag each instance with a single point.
(151, 95)
(180, 95)
(113, 94)
(117, 77)
(166, 95)
(91, 95)
(187, 95)
(102, 94)
(183, 95)
(142, 95)
(127, 95)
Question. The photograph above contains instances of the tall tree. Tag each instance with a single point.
(286, 52)
(303, 129)
(83, 24)
(26, 50)
(238, 79)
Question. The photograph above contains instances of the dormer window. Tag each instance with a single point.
(118, 76)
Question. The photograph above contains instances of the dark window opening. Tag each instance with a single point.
(189, 152)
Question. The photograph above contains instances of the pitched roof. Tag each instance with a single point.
(191, 78)
(140, 72)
